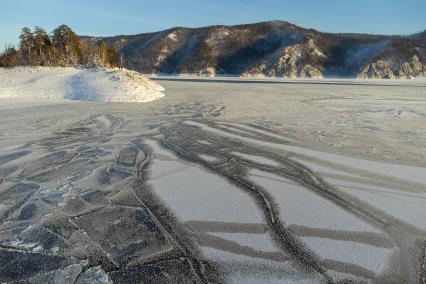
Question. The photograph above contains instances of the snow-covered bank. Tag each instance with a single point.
(78, 84)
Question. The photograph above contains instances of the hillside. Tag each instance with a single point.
(273, 48)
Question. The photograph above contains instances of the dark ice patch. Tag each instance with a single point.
(43, 237)
(60, 225)
(75, 205)
(127, 157)
(17, 265)
(67, 275)
(14, 156)
(126, 234)
(93, 275)
(47, 162)
(27, 211)
(95, 197)
(168, 271)
(15, 197)
(18, 190)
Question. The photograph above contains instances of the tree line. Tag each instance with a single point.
(61, 48)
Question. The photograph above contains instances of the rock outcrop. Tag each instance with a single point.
(289, 64)
(390, 69)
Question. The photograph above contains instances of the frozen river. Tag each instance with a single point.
(301, 182)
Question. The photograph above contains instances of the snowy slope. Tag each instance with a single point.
(78, 84)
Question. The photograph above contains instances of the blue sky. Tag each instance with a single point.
(108, 17)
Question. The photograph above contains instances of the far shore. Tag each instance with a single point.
(415, 82)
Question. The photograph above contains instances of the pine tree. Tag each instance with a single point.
(42, 43)
(62, 48)
(67, 43)
(103, 52)
(27, 42)
(107, 56)
(112, 57)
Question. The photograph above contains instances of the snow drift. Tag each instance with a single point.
(107, 85)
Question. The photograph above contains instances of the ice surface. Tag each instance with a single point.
(244, 269)
(91, 140)
(370, 257)
(258, 130)
(316, 167)
(208, 158)
(257, 159)
(391, 201)
(194, 194)
(300, 206)
(260, 242)
(405, 172)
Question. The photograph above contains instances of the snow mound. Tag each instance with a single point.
(106, 85)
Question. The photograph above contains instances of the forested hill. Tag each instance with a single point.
(62, 48)
(274, 48)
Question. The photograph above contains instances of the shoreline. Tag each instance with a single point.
(277, 80)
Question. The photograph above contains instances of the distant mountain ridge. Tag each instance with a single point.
(273, 48)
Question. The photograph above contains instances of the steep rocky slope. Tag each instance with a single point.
(273, 48)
